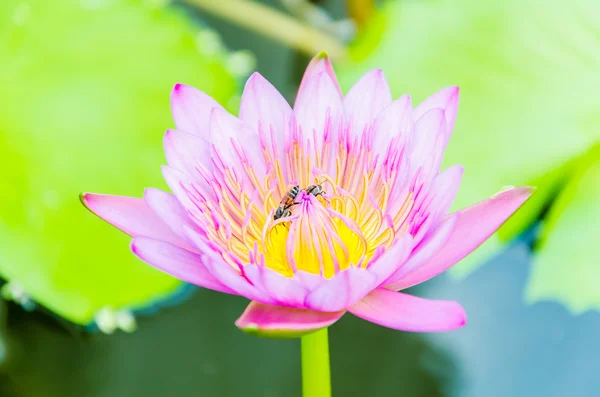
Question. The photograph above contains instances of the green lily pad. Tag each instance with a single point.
(528, 73)
(568, 260)
(86, 87)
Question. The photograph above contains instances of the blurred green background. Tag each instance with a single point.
(85, 88)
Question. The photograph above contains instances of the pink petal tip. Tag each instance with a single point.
(283, 322)
(409, 313)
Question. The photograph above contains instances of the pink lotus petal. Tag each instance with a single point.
(318, 109)
(360, 282)
(366, 99)
(131, 215)
(446, 99)
(392, 259)
(226, 129)
(178, 182)
(474, 225)
(177, 262)
(221, 270)
(280, 290)
(185, 152)
(428, 247)
(223, 133)
(310, 281)
(429, 143)
(283, 322)
(230, 277)
(191, 109)
(444, 189)
(402, 182)
(332, 295)
(351, 285)
(409, 313)
(318, 64)
(394, 120)
(169, 210)
(263, 108)
(335, 294)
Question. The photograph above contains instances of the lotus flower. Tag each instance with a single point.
(373, 223)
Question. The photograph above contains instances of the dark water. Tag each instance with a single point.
(512, 349)
(193, 349)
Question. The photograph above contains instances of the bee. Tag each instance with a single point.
(286, 203)
(315, 190)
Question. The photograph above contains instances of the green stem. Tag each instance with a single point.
(316, 379)
(273, 24)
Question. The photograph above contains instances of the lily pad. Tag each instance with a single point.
(568, 259)
(86, 87)
(528, 73)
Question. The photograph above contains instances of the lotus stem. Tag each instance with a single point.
(316, 377)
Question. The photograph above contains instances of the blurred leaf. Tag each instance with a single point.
(568, 264)
(528, 73)
(86, 88)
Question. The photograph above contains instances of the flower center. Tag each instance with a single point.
(364, 205)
